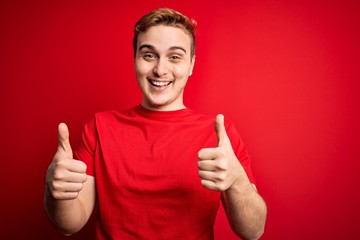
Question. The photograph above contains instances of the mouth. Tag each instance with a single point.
(159, 84)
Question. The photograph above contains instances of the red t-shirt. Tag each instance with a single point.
(145, 167)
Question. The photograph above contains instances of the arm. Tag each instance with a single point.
(69, 196)
(245, 210)
(220, 170)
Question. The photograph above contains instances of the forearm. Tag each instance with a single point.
(66, 215)
(246, 210)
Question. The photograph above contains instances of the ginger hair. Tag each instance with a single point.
(167, 17)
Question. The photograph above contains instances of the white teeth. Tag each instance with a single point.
(159, 84)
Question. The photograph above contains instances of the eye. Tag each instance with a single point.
(149, 56)
(175, 58)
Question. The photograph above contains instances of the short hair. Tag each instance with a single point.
(167, 17)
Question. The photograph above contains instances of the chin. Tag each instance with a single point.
(156, 105)
(159, 106)
(159, 100)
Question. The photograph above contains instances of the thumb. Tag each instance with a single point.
(221, 131)
(64, 142)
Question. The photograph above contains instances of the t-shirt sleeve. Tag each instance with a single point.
(240, 150)
(86, 149)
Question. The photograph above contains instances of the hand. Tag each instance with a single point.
(65, 176)
(219, 167)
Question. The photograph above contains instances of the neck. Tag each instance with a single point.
(163, 107)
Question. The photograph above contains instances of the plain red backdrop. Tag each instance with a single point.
(286, 72)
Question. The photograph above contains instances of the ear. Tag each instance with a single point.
(192, 65)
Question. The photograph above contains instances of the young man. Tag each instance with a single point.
(158, 170)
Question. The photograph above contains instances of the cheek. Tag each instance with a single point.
(141, 68)
(138, 69)
(182, 73)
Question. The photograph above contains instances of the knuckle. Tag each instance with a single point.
(221, 187)
(201, 153)
(58, 175)
(56, 186)
(201, 165)
(84, 166)
(80, 163)
(201, 174)
(57, 194)
(84, 178)
(79, 187)
(64, 195)
(222, 165)
(204, 183)
(221, 152)
(221, 176)
(59, 163)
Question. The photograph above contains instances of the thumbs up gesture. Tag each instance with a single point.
(219, 167)
(65, 176)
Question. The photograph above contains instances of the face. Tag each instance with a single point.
(163, 64)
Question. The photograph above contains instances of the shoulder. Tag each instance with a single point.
(104, 119)
(199, 116)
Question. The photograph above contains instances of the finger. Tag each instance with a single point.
(65, 195)
(69, 187)
(207, 175)
(66, 175)
(216, 177)
(210, 185)
(208, 154)
(213, 165)
(77, 166)
(207, 165)
(76, 178)
(220, 130)
(63, 136)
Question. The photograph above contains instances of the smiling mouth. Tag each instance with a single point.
(160, 83)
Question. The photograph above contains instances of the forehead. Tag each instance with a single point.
(165, 37)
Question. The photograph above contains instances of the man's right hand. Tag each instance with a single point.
(65, 175)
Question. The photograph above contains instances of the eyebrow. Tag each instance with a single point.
(151, 47)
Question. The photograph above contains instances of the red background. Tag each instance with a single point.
(286, 72)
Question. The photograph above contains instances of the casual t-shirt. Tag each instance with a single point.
(146, 173)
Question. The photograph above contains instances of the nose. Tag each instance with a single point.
(161, 67)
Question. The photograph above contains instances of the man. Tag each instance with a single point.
(157, 170)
